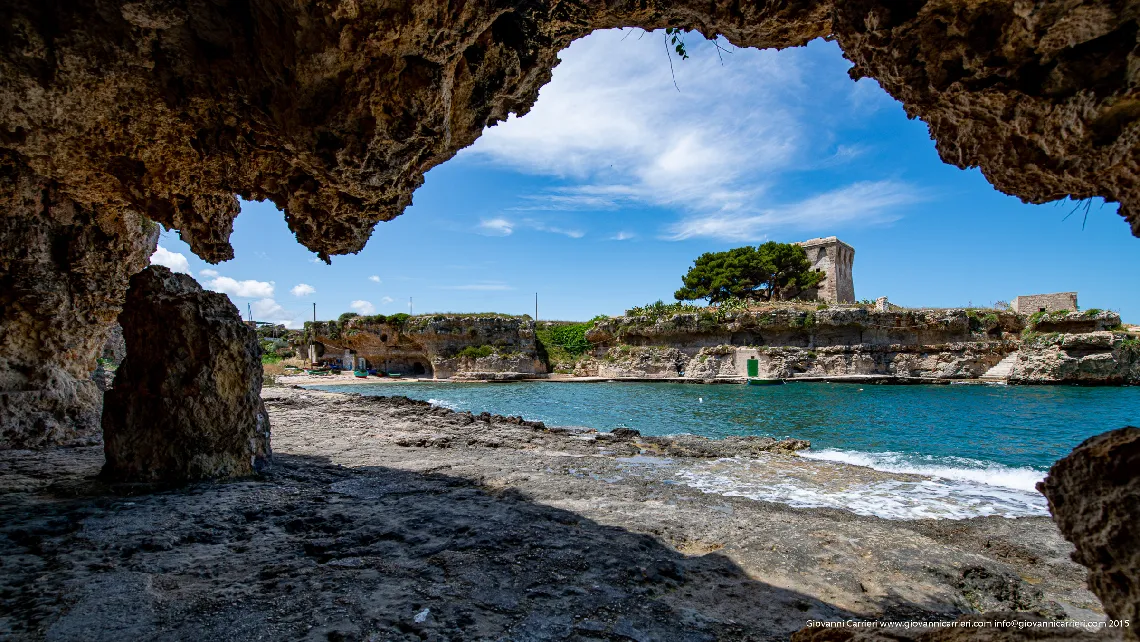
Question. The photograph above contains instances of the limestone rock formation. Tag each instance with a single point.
(335, 110)
(63, 274)
(187, 400)
(166, 109)
(1094, 495)
(1076, 347)
(435, 343)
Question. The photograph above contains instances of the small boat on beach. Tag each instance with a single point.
(360, 373)
(765, 382)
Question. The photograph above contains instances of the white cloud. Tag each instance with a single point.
(363, 307)
(622, 236)
(175, 261)
(271, 311)
(867, 202)
(497, 226)
(612, 121)
(386, 300)
(724, 152)
(486, 286)
(249, 289)
(374, 278)
(303, 289)
(208, 273)
(268, 310)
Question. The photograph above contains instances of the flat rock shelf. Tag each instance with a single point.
(387, 518)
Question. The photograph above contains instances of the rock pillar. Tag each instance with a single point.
(1094, 495)
(64, 269)
(186, 403)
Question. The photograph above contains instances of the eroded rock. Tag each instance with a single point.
(186, 402)
(335, 111)
(1094, 495)
(63, 275)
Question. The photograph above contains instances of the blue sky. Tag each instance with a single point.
(601, 197)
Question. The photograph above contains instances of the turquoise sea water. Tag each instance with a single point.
(970, 436)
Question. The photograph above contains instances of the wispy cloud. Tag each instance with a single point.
(504, 227)
(374, 278)
(208, 273)
(613, 128)
(496, 227)
(868, 203)
(174, 260)
(612, 121)
(386, 300)
(303, 289)
(623, 236)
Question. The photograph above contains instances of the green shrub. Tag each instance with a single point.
(399, 319)
(476, 352)
(267, 358)
(346, 316)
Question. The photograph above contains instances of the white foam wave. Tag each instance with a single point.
(955, 468)
(889, 499)
(443, 404)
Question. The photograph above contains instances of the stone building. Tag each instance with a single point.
(835, 259)
(1056, 302)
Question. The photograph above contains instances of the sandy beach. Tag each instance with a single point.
(386, 518)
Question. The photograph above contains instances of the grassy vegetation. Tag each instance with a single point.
(563, 342)
(476, 352)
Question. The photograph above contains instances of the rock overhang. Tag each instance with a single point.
(335, 112)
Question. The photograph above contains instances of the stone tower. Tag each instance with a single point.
(834, 258)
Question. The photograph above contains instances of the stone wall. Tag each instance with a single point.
(1056, 302)
(835, 259)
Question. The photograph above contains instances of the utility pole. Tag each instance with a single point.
(410, 313)
(249, 308)
(536, 307)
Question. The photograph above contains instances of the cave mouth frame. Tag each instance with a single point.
(338, 128)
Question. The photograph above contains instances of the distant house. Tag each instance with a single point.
(1056, 302)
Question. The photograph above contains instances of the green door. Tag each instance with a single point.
(753, 367)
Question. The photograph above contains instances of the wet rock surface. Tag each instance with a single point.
(1094, 495)
(186, 401)
(391, 519)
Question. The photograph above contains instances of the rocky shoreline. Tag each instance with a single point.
(386, 518)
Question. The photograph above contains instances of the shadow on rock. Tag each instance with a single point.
(317, 551)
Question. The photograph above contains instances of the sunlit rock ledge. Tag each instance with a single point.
(787, 341)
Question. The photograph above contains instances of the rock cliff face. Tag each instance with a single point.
(790, 342)
(498, 347)
(1077, 347)
(1094, 495)
(187, 400)
(63, 274)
